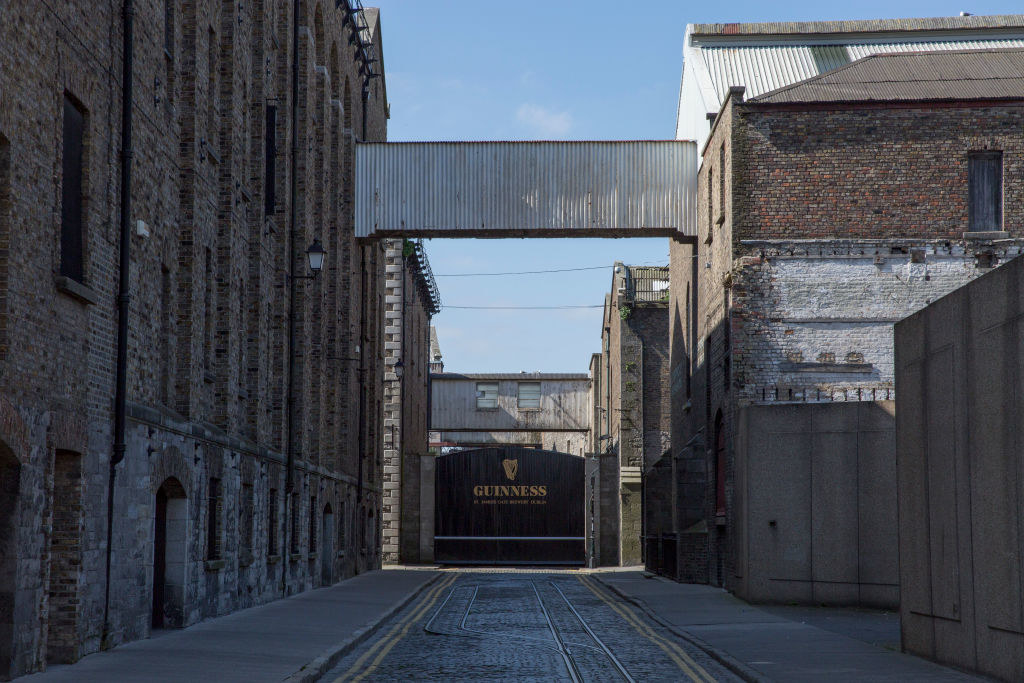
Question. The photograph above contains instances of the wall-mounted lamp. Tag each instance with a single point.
(399, 369)
(315, 254)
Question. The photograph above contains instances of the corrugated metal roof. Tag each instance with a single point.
(860, 26)
(515, 189)
(764, 68)
(525, 376)
(943, 75)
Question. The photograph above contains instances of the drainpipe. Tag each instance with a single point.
(363, 280)
(289, 481)
(123, 295)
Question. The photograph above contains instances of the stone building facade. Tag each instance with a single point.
(631, 401)
(411, 299)
(202, 521)
(827, 211)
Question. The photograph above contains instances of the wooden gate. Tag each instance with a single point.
(509, 505)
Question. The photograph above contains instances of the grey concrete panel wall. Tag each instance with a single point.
(961, 503)
(813, 522)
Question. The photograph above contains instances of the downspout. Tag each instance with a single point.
(289, 482)
(363, 280)
(123, 295)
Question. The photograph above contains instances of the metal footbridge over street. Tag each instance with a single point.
(526, 189)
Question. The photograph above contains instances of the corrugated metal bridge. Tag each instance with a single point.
(526, 189)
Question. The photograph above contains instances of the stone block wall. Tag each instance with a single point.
(208, 345)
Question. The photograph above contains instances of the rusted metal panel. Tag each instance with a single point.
(521, 189)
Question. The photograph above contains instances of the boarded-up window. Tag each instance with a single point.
(985, 191)
(245, 518)
(270, 161)
(272, 522)
(71, 237)
(529, 395)
(312, 524)
(213, 520)
(486, 395)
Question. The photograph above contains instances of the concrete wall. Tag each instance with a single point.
(959, 366)
(815, 504)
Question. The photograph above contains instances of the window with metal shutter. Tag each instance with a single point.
(985, 191)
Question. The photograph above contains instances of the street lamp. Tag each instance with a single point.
(316, 254)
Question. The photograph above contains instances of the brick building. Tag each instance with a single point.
(411, 300)
(249, 472)
(630, 400)
(827, 210)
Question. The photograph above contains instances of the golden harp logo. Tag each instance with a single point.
(511, 468)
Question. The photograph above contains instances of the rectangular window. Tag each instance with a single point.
(212, 520)
(295, 524)
(245, 519)
(208, 311)
(529, 395)
(342, 536)
(720, 218)
(985, 191)
(486, 395)
(711, 205)
(71, 229)
(270, 161)
(272, 523)
(212, 85)
(312, 524)
(165, 336)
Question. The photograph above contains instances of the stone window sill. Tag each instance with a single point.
(341, 553)
(719, 520)
(295, 557)
(76, 289)
(312, 556)
(987, 235)
(273, 559)
(214, 565)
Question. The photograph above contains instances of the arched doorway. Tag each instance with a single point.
(10, 481)
(170, 538)
(327, 552)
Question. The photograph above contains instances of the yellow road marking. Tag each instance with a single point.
(683, 660)
(396, 634)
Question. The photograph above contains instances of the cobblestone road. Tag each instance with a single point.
(474, 626)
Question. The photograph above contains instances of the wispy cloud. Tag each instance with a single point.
(543, 121)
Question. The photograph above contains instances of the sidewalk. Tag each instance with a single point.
(271, 642)
(780, 643)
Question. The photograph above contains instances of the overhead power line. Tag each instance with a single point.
(524, 272)
(521, 308)
(538, 272)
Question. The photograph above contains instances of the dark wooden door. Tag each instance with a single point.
(510, 505)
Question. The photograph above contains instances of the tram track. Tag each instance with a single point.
(578, 657)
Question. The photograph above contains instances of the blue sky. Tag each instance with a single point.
(558, 69)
